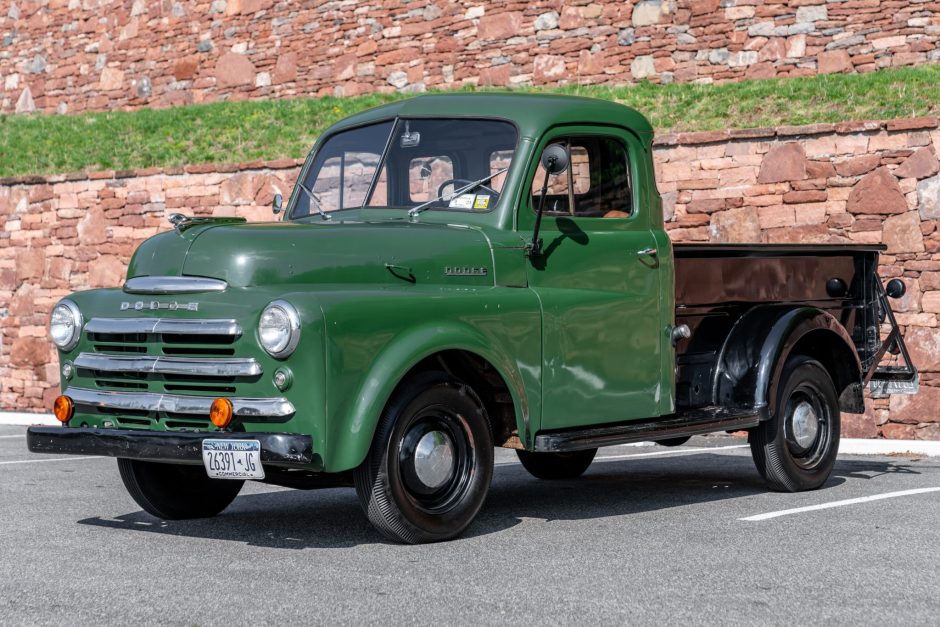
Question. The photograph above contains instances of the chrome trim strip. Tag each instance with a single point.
(216, 367)
(197, 405)
(173, 285)
(164, 325)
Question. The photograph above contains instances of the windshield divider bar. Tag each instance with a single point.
(378, 168)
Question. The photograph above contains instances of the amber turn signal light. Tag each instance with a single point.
(63, 408)
(221, 412)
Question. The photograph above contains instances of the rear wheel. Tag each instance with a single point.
(176, 492)
(557, 465)
(796, 449)
(429, 468)
(674, 441)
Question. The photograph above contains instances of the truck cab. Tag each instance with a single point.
(454, 273)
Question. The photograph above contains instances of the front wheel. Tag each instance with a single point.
(176, 492)
(429, 468)
(796, 449)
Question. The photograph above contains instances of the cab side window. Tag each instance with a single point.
(596, 183)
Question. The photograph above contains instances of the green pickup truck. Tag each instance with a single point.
(454, 273)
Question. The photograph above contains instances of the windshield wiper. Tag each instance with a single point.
(414, 211)
(315, 199)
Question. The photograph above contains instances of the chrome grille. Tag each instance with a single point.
(142, 371)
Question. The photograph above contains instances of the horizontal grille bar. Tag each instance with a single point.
(196, 405)
(164, 325)
(173, 285)
(215, 367)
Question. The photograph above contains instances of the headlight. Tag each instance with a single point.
(279, 329)
(65, 325)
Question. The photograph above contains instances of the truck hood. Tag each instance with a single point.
(329, 252)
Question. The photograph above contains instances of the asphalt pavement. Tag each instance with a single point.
(648, 535)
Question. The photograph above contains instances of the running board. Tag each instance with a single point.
(693, 422)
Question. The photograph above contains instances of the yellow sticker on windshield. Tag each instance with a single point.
(481, 202)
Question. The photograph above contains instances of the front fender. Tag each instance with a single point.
(754, 353)
(369, 357)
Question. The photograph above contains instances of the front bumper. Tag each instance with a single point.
(284, 450)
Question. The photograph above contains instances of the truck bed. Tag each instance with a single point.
(716, 284)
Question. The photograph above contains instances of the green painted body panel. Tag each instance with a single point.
(584, 339)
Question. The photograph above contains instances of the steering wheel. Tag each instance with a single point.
(458, 183)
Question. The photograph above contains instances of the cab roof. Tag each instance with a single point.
(531, 113)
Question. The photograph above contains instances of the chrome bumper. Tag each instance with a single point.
(277, 449)
(177, 404)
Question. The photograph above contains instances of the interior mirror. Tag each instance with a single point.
(409, 139)
(555, 159)
(276, 203)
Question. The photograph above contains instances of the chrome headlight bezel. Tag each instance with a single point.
(74, 317)
(283, 348)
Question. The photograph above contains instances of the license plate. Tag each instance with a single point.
(232, 459)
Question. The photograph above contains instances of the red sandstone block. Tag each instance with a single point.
(775, 216)
(809, 184)
(804, 197)
(808, 129)
(811, 234)
(201, 169)
(703, 137)
(859, 126)
(707, 205)
(767, 188)
(913, 123)
(711, 183)
(283, 164)
(666, 139)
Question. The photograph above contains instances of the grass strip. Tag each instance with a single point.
(225, 132)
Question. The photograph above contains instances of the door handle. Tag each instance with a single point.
(646, 251)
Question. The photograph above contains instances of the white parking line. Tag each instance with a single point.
(19, 435)
(680, 451)
(56, 459)
(862, 499)
(675, 452)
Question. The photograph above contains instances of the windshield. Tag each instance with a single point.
(425, 162)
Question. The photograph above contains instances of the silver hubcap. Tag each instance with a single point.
(805, 424)
(434, 459)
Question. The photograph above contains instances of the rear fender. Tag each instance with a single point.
(751, 361)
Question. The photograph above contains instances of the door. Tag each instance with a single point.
(597, 277)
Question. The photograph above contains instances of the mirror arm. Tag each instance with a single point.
(536, 247)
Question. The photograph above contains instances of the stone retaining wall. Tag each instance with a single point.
(77, 55)
(855, 182)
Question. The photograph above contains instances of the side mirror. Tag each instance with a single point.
(895, 288)
(555, 159)
(276, 203)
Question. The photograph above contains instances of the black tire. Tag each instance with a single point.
(789, 458)
(176, 492)
(552, 466)
(674, 441)
(401, 504)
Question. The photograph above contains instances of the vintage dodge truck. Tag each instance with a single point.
(455, 273)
